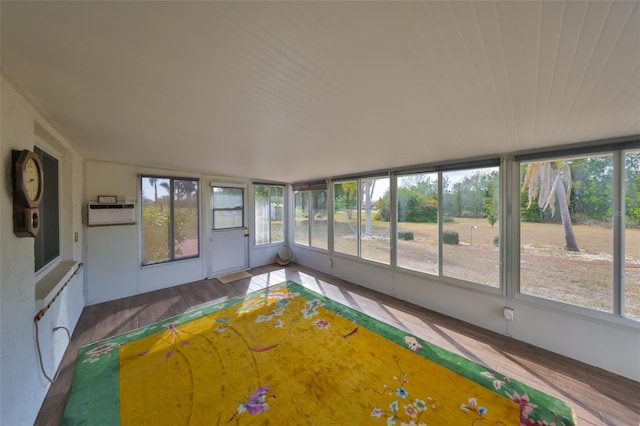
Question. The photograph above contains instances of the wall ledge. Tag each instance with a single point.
(51, 283)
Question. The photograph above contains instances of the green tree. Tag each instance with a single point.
(632, 193)
(490, 202)
(592, 194)
(346, 197)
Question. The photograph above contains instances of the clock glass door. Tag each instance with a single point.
(229, 230)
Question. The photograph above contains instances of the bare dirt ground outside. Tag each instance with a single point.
(547, 270)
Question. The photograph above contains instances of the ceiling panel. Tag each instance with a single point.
(291, 91)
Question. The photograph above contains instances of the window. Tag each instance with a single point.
(269, 214)
(302, 219)
(418, 233)
(228, 208)
(374, 230)
(455, 234)
(566, 230)
(47, 241)
(345, 213)
(310, 207)
(170, 219)
(632, 235)
(360, 227)
(470, 229)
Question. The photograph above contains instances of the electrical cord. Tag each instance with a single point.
(39, 316)
(35, 323)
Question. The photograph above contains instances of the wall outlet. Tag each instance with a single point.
(330, 262)
(508, 314)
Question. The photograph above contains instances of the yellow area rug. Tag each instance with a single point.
(288, 356)
(224, 279)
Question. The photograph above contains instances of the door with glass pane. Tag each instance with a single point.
(229, 230)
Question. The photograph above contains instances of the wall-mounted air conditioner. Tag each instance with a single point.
(111, 214)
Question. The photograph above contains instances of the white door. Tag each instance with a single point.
(229, 230)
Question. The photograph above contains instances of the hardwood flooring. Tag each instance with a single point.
(598, 397)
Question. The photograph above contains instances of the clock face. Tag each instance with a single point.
(32, 179)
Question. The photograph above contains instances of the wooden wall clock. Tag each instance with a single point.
(27, 192)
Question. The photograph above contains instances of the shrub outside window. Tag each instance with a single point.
(170, 219)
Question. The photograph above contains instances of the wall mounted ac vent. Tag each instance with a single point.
(111, 214)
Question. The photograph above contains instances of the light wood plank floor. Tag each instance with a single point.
(599, 397)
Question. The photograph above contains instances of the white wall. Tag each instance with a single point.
(113, 253)
(22, 384)
(606, 344)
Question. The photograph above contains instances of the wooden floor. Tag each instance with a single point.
(599, 397)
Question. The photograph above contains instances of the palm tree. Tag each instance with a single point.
(546, 181)
(154, 182)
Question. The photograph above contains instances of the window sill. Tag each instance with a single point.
(49, 285)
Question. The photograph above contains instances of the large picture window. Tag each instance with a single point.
(47, 241)
(170, 219)
(566, 239)
(448, 224)
(269, 214)
(580, 231)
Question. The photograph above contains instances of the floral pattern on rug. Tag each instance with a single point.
(403, 408)
(287, 319)
(527, 407)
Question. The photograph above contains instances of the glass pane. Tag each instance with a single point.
(224, 219)
(156, 223)
(262, 223)
(185, 227)
(632, 235)
(470, 231)
(228, 198)
(374, 239)
(47, 241)
(276, 194)
(417, 221)
(345, 221)
(566, 235)
(301, 217)
(318, 219)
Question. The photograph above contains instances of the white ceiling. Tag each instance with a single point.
(293, 91)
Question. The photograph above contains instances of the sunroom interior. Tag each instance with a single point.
(480, 160)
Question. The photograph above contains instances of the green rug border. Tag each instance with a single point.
(103, 396)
